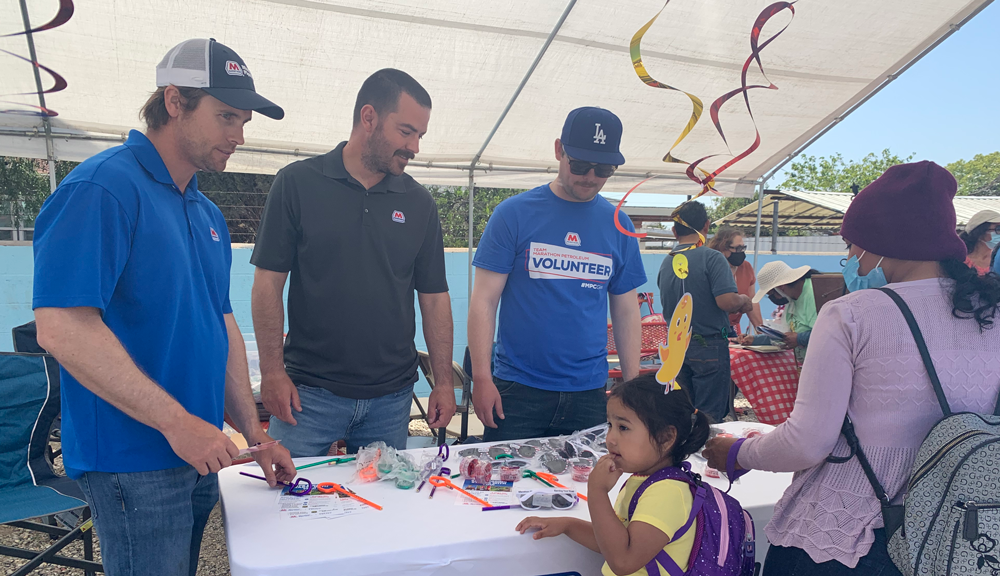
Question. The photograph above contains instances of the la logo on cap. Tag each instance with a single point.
(215, 235)
(572, 239)
(397, 216)
(599, 136)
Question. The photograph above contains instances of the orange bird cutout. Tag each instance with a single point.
(678, 338)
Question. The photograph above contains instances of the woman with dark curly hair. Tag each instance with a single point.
(863, 362)
(981, 237)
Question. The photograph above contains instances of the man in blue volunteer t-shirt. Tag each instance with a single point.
(553, 260)
(131, 295)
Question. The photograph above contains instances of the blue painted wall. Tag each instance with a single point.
(16, 274)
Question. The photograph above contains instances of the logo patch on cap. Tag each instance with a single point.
(233, 68)
(572, 239)
(215, 235)
(599, 136)
(397, 216)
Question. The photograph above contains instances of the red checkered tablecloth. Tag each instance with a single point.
(768, 381)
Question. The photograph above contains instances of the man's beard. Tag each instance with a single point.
(379, 157)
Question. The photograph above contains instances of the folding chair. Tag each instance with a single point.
(26, 340)
(460, 381)
(29, 488)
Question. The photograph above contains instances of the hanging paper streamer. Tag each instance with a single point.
(678, 338)
(63, 15)
(755, 49)
(707, 181)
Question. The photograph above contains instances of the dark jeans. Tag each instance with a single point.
(533, 413)
(782, 561)
(150, 523)
(705, 375)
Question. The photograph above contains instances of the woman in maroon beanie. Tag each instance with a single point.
(863, 362)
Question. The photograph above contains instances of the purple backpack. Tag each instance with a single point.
(724, 536)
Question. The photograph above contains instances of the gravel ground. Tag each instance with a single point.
(214, 555)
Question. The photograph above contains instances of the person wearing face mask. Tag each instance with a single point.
(863, 362)
(791, 287)
(981, 238)
(729, 241)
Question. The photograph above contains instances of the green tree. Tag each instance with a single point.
(23, 189)
(833, 174)
(979, 176)
(453, 211)
(241, 199)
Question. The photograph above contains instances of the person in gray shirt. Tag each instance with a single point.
(705, 375)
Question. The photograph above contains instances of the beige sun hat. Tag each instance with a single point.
(774, 274)
(982, 217)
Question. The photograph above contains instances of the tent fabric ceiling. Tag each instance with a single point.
(824, 211)
(311, 56)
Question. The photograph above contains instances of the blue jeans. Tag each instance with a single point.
(326, 418)
(534, 413)
(150, 523)
(783, 561)
(705, 376)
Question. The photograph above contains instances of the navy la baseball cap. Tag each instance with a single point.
(216, 69)
(593, 135)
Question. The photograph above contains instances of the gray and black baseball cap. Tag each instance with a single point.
(216, 69)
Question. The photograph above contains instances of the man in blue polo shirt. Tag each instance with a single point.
(131, 295)
(553, 260)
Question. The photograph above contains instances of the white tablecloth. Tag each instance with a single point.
(417, 535)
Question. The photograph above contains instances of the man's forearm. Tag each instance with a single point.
(439, 334)
(238, 396)
(482, 327)
(84, 345)
(268, 311)
(627, 327)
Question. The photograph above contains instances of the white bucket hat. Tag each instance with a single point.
(774, 274)
(982, 217)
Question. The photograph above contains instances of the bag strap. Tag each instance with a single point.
(852, 440)
(922, 347)
(682, 474)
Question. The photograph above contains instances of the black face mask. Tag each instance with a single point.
(737, 258)
(777, 300)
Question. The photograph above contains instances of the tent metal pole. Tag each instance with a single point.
(472, 190)
(524, 81)
(49, 147)
(774, 229)
(760, 209)
(503, 115)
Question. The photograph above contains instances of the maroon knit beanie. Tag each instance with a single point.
(907, 214)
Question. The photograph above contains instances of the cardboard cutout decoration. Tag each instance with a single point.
(678, 338)
(680, 265)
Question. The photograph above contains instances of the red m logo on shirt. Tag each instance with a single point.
(572, 239)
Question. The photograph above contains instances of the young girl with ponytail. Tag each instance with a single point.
(649, 430)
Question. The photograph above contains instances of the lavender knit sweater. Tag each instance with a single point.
(862, 360)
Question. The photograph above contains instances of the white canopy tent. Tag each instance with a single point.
(502, 74)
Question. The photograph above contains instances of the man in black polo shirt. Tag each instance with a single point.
(358, 236)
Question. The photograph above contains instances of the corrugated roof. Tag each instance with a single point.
(825, 210)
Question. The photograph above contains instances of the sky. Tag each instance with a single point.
(946, 107)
